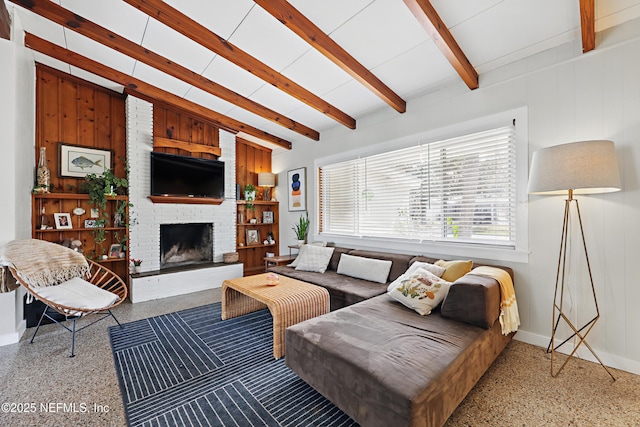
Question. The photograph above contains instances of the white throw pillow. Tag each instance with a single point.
(78, 293)
(313, 258)
(302, 248)
(422, 291)
(374, 270)
(432, 268)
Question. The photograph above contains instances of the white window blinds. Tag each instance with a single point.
(457, 190)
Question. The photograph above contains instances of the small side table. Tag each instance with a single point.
(296, 247)
(270, 261)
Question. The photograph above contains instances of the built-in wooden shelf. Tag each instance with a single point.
(186, 200)
(255, 246)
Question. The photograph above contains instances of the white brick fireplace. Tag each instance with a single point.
(146, 216)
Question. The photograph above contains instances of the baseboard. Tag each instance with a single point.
(608, 359)
(13, 337)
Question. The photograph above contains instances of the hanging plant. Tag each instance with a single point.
(100, 188)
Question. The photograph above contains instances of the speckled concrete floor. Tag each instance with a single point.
(50, 389)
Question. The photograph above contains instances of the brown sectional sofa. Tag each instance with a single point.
(346, 290)
(382, 363)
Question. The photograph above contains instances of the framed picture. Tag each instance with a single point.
(78, 162)
(253, 236)
(63, 220)
(297, 189)
(89, 223)
(114, 250)
(267, 217)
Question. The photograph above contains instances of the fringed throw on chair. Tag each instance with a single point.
(55, 275)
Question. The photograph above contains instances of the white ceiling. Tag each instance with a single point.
(383, 35)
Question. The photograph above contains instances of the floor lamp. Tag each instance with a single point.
(585, 167)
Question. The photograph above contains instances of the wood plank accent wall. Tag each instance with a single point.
(75, 112)
(171, 123)
(251, 159)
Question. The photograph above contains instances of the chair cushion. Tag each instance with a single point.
(78, 293)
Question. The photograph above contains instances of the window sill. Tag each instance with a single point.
(433, 249)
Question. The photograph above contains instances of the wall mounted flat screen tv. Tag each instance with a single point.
(183, 176)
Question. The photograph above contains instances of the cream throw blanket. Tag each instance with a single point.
(40, 263)
(509, 317)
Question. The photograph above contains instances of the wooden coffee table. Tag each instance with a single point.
(290, 302)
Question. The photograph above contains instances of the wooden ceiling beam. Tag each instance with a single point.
(426, 14)
(162, 104)
(288, 15)
(55, 13)
(82, 62)
(588, 25)
(181, 23)
(5, 22)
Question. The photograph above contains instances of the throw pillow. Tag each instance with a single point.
(374, 270)
(455, 269)
(313, 258)
(422, 291)
(295, 262)
(432, 268)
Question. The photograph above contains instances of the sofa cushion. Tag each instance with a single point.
(375, 270)
(422, 258)
(313, 258)
(455, 269)
(421, 291)
(335, 258)
(400, 262)
(473, 299)
(343, 290)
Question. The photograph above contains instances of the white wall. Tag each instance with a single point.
(570, 96)
(17, 121)
(17, 163)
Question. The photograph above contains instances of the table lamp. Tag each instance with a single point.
(268, 181)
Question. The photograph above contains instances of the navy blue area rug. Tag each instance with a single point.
(192, 369)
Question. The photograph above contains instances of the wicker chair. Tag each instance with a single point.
(100, 277)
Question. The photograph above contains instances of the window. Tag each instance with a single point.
(458, 190)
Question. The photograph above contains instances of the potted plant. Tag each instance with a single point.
(250, 195)
(99, 188)
(137, 263)
(301, 229)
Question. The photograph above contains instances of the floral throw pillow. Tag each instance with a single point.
(422, 291)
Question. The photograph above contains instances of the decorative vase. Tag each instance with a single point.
(43, 172)
(137, 269)
(301, 242)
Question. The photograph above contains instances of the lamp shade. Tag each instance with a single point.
(586, 167)
(266, 179)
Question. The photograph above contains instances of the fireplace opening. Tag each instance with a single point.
(184, 244)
